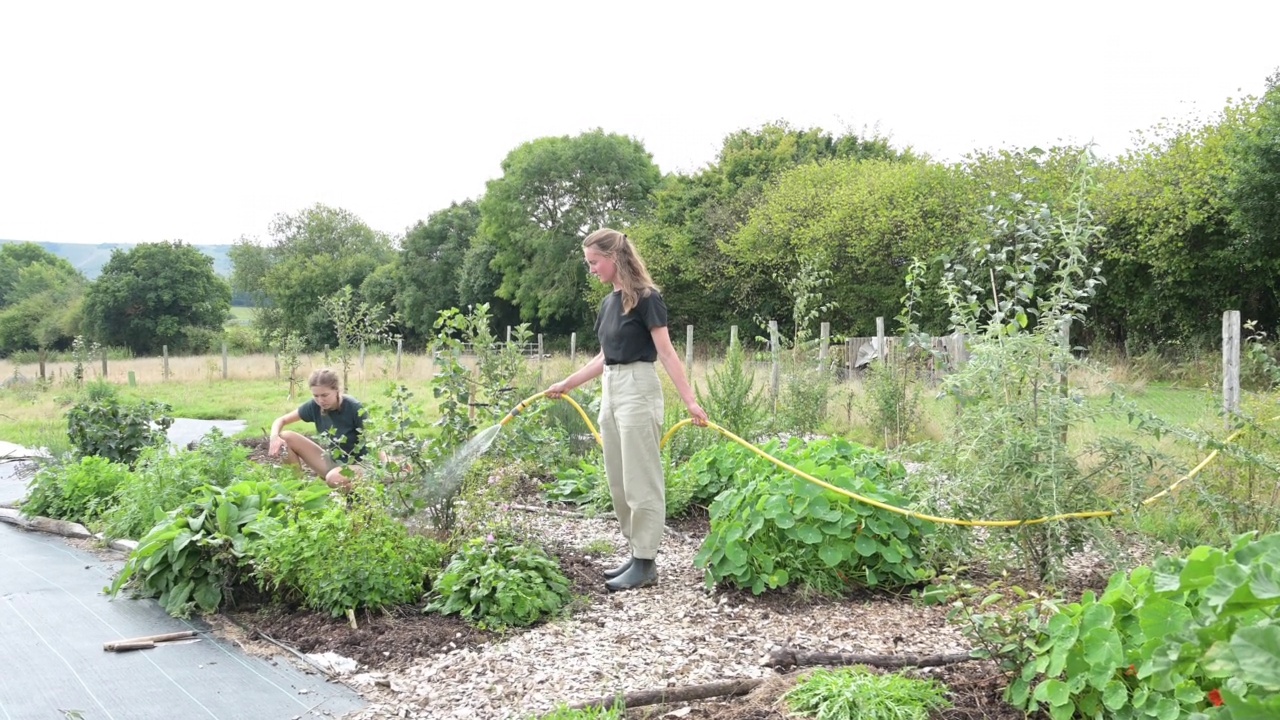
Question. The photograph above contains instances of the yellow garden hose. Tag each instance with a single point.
(876, 503)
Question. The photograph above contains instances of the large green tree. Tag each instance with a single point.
(695, 216)
(1254, 190)
(860, 221)
(156, 294)
(42, 310)
(15, 257)
(1171, 259)
(430, 264)
(311, 255)
(553, 191)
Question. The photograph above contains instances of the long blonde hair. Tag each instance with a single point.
(633, 277)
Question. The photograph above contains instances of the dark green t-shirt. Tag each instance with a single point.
(346, 424)
(628, 338)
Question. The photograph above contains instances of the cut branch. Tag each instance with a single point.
(782, 657)
(777, 657)
(687, 693)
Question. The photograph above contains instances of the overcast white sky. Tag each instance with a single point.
(140, 122)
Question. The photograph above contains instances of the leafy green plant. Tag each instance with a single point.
(857, 693)
(117, 431)
(710, 471)
(195, 553)
(344, 558)
(495, 584)
(732, 400)
(585, 485)
(773, 529)
(82, 354)
(162, 480)
(1194, 637)
(77, 490)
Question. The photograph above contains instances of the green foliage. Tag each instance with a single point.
(344, 558)
(156, 294)
(1012, 293)
(162, 480)
(496, 584)
(196, 552)
(732, 399)
(115, 430)
(857, 693)
(553, 191)
(313, 254)
(711, 470)
(356, 325)
(1253, 154)
(429, 265)
(856, 220)
(74, 490)
(771, 529)
(82, 354)
(583, 484)
(1172, 260)
(564, 712)
(1172, 641)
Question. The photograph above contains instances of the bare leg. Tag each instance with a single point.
(306, 450)
(337, 477)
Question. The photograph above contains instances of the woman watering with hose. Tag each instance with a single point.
(632, 328)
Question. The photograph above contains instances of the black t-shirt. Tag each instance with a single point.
(346, 424)
(627, 338)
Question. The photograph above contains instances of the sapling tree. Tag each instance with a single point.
(357, 324)
(1015, 292)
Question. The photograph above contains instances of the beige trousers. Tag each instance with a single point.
(631, 415)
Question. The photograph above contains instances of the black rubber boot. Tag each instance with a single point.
(642, 573)
(615, 572)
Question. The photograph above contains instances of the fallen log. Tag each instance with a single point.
(783, 657)
(687, 693)
(778, 657)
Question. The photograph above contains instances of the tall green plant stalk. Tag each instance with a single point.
(1012, 293)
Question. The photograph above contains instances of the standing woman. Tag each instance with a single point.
(632, 329)
(332, 413)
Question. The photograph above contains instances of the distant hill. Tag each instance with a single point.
(89, 259)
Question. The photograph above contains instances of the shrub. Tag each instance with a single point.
(773, 529)
(117, 431)
(344, 558)
(495, 584)
(732, 400)
(75, 490)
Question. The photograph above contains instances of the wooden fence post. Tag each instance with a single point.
(825, 344)
(1231, 364)
(104, 363)
(573, 348)
(733, 335)
(776, 376)
(688, 352)
(224, 361)
(539, 347)
(399, 353)
(362, 356)
(880, 341)
(164, 349)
